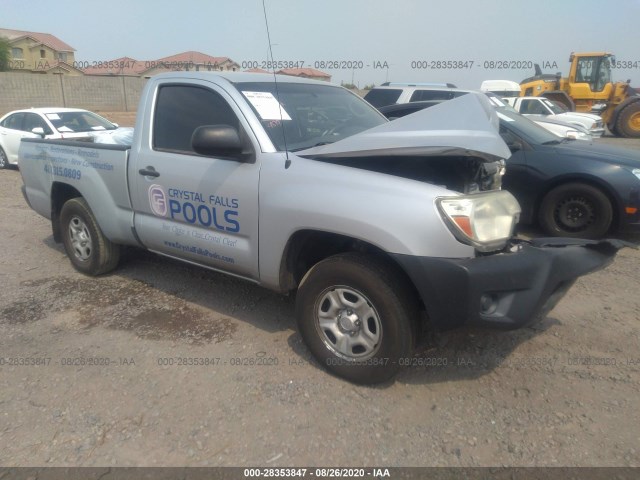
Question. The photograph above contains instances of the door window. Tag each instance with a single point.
(14, 121)
(181, 109)
(422, 95)
(596, 71)
(533, 107)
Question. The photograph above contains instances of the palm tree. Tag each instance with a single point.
(5, 50)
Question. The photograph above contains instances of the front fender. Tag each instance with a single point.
(395, 214)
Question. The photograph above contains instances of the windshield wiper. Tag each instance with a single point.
(311, 146)
(552, 142)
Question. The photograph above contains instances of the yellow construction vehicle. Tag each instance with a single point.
(588, 86)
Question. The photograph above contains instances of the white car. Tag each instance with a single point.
(50, 123)
(553, 125)
(541, 108)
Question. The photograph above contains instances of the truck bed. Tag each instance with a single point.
(97, 171)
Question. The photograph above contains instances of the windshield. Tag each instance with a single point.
(79, 122)
(595, 70)
(311, 114)
(524, 127)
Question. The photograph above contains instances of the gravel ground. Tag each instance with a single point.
(100, 372)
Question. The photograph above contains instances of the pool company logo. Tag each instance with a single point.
(158, 200)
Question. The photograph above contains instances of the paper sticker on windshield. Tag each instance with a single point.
(505, 118)
(64, 128)
(267, 106)
(53, 116)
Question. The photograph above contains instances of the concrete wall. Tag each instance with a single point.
(106, 94)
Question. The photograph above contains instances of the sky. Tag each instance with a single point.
(369, 41)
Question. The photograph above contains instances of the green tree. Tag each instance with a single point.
(5, 51)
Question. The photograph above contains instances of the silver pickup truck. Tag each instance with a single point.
(301, 186)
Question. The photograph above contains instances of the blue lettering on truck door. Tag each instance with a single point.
(205, 214)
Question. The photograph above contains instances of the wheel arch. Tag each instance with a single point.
(305, 248)
(60, 194)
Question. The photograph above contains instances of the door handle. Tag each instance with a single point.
(149, 171)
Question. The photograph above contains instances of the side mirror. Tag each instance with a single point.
(38, 131)
(219, 141)
(515, 145)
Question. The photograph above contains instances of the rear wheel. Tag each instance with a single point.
(89, 251)
(576, 210)
(628, 122)
(356, 314)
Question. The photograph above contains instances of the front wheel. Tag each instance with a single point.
(628, 123)
(4, 160)
(89, 251)
(576, 210)
(357, 315)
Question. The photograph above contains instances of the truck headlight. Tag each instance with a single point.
(636, 172)
(578, 135)
(484, 220)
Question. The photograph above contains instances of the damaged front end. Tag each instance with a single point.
(508, 283)
(455, 146)
(508, 290)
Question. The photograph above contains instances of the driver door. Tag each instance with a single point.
(197, 208)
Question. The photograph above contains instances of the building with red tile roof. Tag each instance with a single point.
(306, 73)
(190, 61)
(257, 70)
(39, 52)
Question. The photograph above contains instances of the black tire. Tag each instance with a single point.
(4, 160)
(576, 210)
(387, 308)
(628, 122)
(89, 251)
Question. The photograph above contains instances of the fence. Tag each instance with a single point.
(107, 94)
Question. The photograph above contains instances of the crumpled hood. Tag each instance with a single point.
(467, 126)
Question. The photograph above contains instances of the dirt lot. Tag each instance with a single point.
(100, 372)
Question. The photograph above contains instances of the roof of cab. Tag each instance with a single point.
(241, 77)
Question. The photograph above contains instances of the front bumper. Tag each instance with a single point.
(505, 290)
